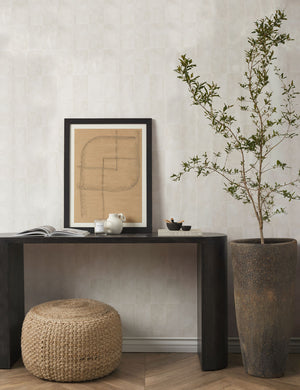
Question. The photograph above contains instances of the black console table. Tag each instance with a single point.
(211, 295)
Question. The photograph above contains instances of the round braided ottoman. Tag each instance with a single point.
(71, 340)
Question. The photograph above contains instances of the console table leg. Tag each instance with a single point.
(212, 303)
(11, 302)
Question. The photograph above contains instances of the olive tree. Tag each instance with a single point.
(271, 125)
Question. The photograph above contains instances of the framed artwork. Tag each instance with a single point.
(108, 170)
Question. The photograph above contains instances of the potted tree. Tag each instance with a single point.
(264, 268)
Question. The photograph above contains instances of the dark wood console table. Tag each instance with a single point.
(212, 289)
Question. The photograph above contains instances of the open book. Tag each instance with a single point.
(50, 231)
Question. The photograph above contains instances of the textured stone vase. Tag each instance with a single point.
(264, 293)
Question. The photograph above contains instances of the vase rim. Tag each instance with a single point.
(268, 241)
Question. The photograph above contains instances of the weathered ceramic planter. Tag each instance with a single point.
(264, 293)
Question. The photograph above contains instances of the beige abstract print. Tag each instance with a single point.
(107, 174)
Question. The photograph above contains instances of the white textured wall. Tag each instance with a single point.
(115, 58)
(153, 286)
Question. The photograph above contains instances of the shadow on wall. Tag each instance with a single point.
(157, 188)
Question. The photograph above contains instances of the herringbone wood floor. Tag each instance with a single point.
(161, 371)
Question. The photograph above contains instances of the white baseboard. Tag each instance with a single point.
(184, 344)
(160, 344)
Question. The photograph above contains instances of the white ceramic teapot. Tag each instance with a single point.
(114, 223)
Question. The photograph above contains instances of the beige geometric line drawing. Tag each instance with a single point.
(108, 164)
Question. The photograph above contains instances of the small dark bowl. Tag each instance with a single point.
(174, 225)
(186, 227)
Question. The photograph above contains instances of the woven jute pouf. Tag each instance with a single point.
(71, 340)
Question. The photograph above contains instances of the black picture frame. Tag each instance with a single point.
(144, 127)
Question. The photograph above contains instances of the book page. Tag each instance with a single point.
(70, 232)
(44, 230)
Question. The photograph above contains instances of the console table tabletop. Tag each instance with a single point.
(111, 238)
